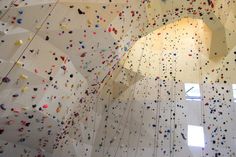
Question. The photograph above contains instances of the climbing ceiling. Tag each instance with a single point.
(62, 62)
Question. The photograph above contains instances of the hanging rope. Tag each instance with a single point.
(134, 89)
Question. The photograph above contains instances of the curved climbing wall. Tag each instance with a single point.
(117, 78)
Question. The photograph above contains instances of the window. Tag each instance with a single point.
(196, 136)
(234, 92)
(192, 91)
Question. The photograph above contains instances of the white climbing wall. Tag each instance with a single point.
(106, 78)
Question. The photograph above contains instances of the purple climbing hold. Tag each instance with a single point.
(6, 80)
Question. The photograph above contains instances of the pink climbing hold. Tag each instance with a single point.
(45, 106)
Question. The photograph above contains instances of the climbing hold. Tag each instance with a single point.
(19, 64)
(83, 54)
(23, 77)
(10, 122)
(58, 109)
(47, 38)
(22, 140)
(3, 32)
(6, 80)
(2, 106)
(15, 95)
(36, 70)
(19, 21)
(20, 12)
(25, 108)
(37, 27)
(24, 89)
(45, 106)
(63, 26)
(63, 58)
(18, 42)
(1, 131)
(81, 12)
(15, 110)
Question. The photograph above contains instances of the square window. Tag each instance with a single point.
(234, 92)
(196, 136)
(192, 91)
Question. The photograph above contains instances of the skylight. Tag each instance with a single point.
(192, 91)
(234, 92)
(196, 136)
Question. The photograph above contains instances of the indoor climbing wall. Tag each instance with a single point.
(107, 78)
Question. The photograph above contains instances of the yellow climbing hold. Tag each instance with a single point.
(63, 26)
(19, 42)
(24, 89)
(19, 64)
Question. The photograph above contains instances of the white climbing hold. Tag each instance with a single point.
(23, 77)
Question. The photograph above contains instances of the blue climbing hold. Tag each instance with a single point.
(19, 21)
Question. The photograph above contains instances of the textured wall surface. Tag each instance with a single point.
(106, 78)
